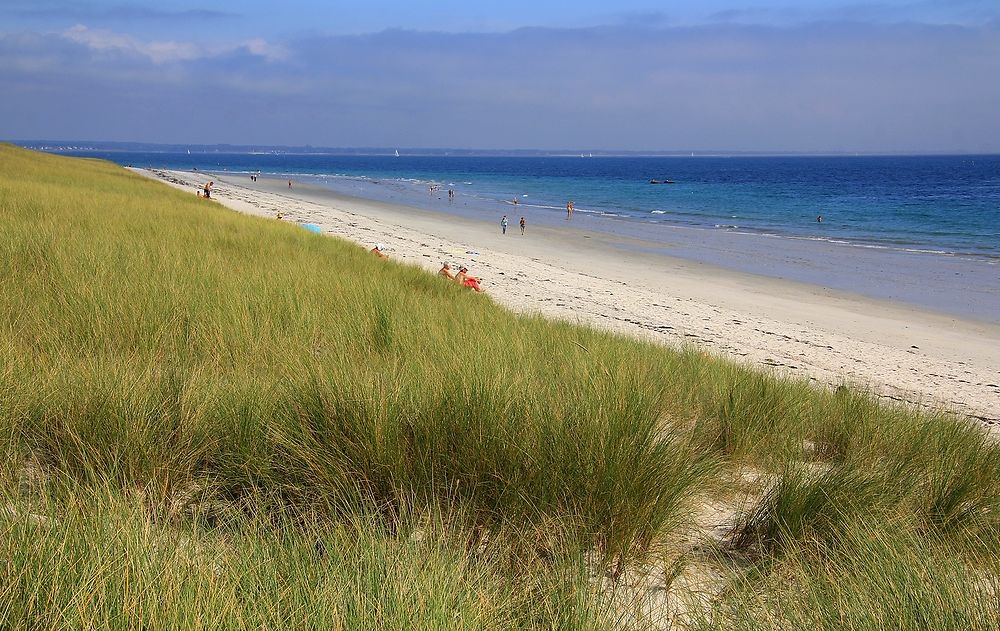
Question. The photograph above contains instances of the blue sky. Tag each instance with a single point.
(748, 75)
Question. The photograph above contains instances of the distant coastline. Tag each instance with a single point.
(62, 146)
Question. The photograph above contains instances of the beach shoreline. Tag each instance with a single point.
(613, 282)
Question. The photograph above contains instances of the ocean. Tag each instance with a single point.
(924, 230)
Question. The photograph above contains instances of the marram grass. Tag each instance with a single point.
(157, 338)
(252, 415)
(107, 561)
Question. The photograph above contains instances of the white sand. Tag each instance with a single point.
(898, 352)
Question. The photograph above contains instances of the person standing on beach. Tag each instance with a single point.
(569, 209)
(503, 224)
(208, 189)
(522, 222)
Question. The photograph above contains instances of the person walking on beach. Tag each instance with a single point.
(522, 222)
(503, 224)
(569, 209)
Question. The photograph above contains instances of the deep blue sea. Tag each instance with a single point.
(938, 204)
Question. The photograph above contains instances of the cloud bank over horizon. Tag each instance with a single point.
(636, 85)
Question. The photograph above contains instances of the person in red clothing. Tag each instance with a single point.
(469, 281)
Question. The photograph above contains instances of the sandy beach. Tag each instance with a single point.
(898, 352)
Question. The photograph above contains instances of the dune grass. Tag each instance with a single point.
(110, 561)
(290, 432)
(875, 575)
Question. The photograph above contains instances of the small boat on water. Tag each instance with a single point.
(661, 181)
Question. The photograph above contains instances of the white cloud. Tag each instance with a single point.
(265, 49)
(163, 52)
(157, 51)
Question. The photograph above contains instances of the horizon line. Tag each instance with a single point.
(209, 148)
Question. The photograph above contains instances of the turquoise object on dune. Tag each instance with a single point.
(311, 227)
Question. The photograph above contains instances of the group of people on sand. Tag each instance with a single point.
(503, 224)
(462, 277)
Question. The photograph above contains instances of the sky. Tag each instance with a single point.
(636, 75)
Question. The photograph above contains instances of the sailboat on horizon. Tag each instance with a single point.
(397, 153)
